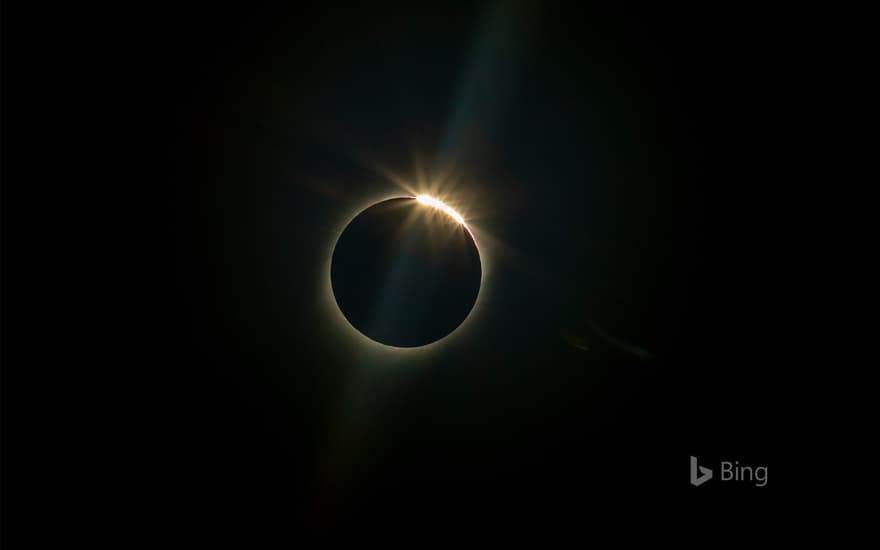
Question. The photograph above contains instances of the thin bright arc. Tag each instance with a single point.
(431, 201)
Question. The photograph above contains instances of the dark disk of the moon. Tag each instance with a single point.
(404, 273)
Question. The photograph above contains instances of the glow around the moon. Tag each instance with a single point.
(363, 344)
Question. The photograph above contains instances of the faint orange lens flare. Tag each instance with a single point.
(431, 201)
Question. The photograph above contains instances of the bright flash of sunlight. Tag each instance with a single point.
(431, 201)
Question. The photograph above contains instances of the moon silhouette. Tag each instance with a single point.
(406, 271)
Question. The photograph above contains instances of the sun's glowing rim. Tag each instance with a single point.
(431, 201)
(377, 350)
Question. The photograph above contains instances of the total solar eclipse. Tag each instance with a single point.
(406, 271)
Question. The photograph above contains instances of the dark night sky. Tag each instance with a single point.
(626, 163)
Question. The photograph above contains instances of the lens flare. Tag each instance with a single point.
(431, 201)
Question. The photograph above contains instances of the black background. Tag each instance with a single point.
(180, 171)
